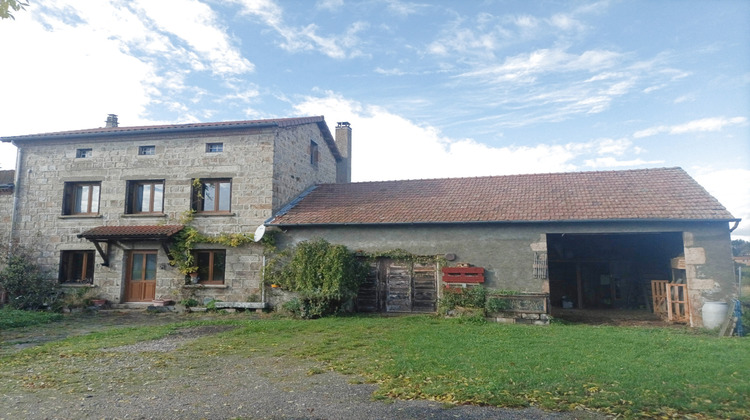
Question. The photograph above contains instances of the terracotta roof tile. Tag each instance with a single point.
(131, 232)
(664, 193)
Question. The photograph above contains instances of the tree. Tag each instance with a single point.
(740, 247)
(9, 6)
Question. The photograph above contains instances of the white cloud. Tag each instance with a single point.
(330, 4)
(704, 124)
(196, 24)
(613, 147)
(113, 57)
(83, 65)
(732, 188)
(304, 38)
(565, 22)
(423, 152)
(402, 8)
(684, 98)
(525, 66)
(7, 156)
(610, 162)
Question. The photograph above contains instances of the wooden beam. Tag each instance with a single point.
(165, 247)
(104, 255)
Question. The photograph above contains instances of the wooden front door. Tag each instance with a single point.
(140, 280)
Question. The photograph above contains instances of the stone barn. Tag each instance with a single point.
(589, 240)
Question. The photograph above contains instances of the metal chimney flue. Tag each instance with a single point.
(111, 121)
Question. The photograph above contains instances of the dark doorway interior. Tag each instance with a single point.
(603, 271)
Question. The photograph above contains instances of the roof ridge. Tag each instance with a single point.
(517, 175)
(281, 122)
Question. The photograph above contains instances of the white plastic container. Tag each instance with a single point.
(714, 314)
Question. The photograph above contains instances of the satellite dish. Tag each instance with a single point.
(259, 233)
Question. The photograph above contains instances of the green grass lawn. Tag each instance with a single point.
(619, 370)
(13, 318)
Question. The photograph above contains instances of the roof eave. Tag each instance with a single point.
(498, 222)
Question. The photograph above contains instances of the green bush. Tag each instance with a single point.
(27, 286)
(325, 276)
(190, 302)
(470, 297)
(496, 304)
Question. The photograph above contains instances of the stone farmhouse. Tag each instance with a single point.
(589, 240)
(100, 207)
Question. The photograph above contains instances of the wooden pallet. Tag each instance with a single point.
(463, 274)
(670, 300)
(677, 303)
(659, 296)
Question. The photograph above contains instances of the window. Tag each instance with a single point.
(210, 266)
(143, 265)
(214, 147)
(145, 197)
(81, 198)
(83, 153)
(314, 153)
(146, 150)
(212, 195)
(77, 267)
(540, 265)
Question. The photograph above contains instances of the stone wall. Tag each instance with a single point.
(709, 268)
(6, 213)
(293, 171)
(248, 158)
(506, 251)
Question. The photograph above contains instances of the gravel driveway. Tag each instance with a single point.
(228, 387)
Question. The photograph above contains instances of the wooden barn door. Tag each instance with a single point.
(424, 287)
(398, 286)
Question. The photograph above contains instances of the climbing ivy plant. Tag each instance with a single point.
(181, 252)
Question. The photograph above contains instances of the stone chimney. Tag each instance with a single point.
(111, 121)
(344, 144)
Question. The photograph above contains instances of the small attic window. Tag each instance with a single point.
(214, 147)
(146, 150)
(314, 153)
(83, 153)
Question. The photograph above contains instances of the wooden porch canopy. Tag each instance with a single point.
(108, 234)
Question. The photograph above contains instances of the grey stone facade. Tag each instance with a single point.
(268, 162)
(507, 251)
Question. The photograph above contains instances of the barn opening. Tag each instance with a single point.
(609, 271)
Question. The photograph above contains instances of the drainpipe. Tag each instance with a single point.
(16, 190)
(263, 280)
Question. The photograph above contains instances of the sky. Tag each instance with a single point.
(431, 89)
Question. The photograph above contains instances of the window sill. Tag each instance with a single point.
(205, 286)
(77, 285)
(213, 214)
(80, 216)
(136, 215)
